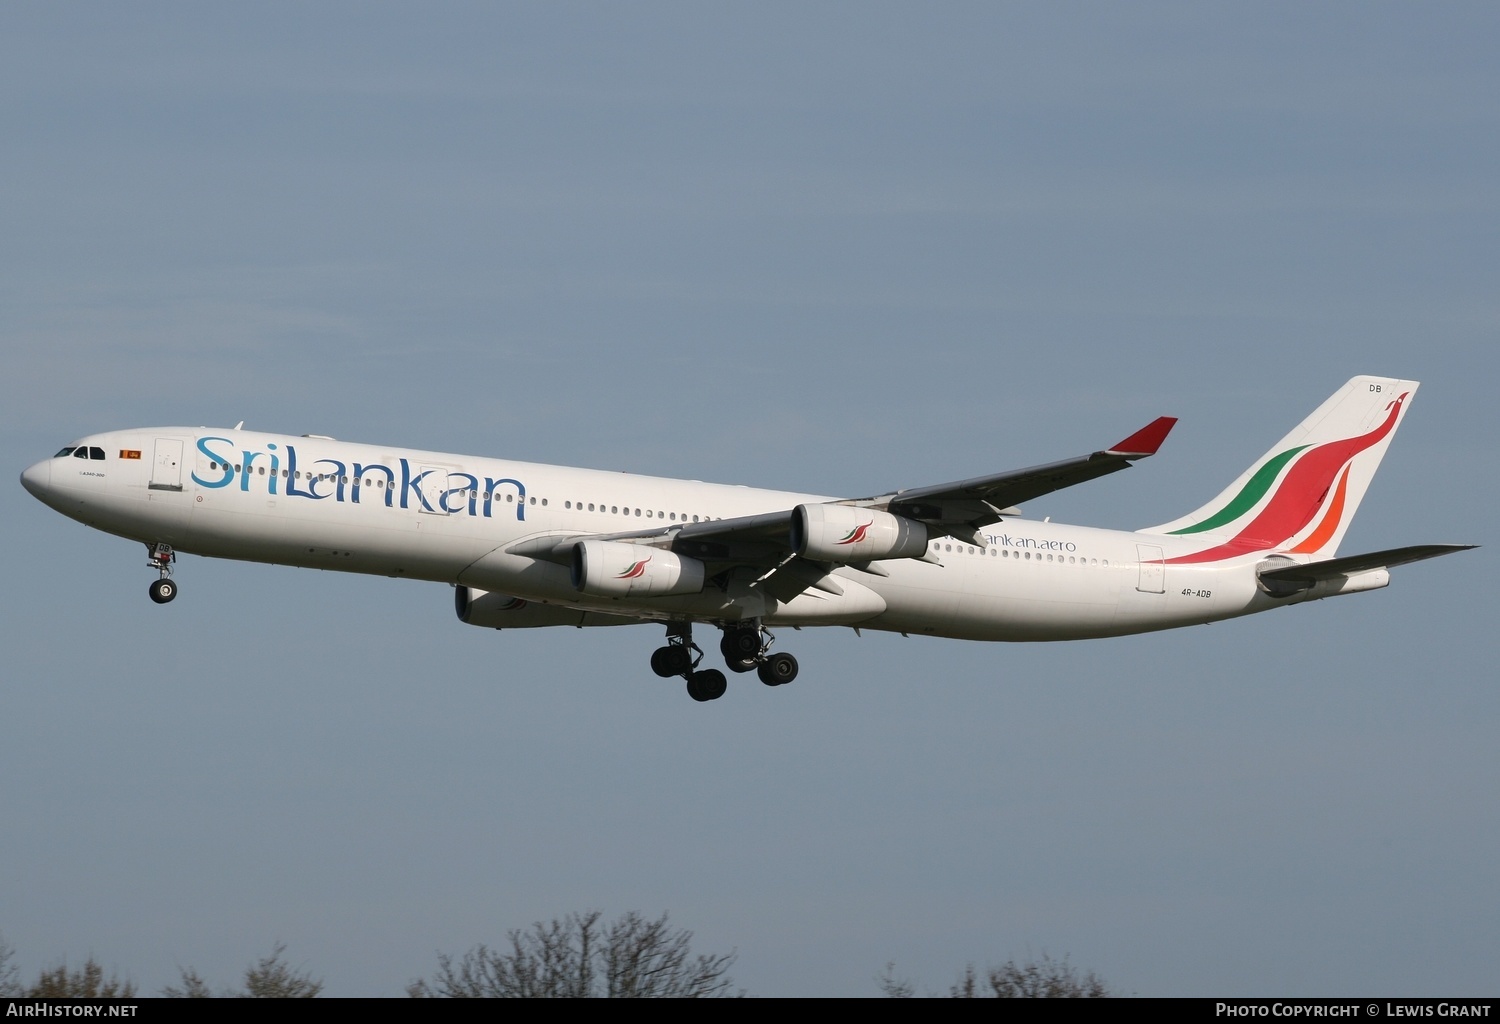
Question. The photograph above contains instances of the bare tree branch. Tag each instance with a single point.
(578, 957)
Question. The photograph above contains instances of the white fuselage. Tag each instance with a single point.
(326, 504)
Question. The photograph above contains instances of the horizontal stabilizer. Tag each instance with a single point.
(1333, 568)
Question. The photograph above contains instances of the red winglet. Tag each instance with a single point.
(1146, 440)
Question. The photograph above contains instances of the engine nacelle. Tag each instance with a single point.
(605, 568)
(502, 611)
(842, 533)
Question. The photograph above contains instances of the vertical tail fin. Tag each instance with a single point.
(1301, 495)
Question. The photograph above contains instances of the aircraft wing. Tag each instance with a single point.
(982, 500)
(958, 509)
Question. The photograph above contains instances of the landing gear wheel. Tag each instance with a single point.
(741, 649)
(778, 669)
(163, 590)
(740, 644)
(671, 660)
(709, 684)
(680, 655)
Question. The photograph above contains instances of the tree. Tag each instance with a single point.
(10, 980)
(1036, 979)
(193, 986)
(579, 957)
(272, 978)
(87, 982)
(268, 978)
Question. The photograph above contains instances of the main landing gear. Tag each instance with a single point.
(680, 657)
(744, 646)
(162, 556)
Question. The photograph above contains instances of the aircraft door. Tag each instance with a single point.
(434, 488)
(1153, 579)
(166, 469)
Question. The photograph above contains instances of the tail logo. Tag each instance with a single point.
(1297, 499)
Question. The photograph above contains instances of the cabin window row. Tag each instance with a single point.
(378, 482)
(1027, 555)
(625, 510)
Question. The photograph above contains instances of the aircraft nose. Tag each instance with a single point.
(38, 478)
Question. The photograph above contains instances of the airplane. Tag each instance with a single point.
(527, 545)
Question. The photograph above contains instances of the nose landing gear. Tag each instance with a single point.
(161, 557)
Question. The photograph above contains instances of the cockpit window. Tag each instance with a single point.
(64, 453)
(80, 452)
(96, 453)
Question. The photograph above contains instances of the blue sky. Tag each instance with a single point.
(839, 248)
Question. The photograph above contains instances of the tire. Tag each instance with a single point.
(707, 685)
(676, 660)
(163, 590)
(740, 645)
(778, 670)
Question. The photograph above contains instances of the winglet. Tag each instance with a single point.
(1146, 440)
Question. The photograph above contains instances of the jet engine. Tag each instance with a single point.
(843, 533)
(605, 568)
